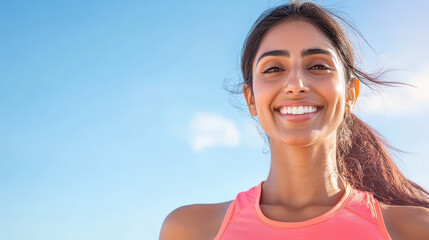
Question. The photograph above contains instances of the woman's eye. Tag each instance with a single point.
(272, 70)
(320, 67)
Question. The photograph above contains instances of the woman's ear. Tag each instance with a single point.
(249, 99)
(352, 93)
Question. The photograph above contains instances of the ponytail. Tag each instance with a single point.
(364, 162)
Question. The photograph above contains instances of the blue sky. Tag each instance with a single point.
(110, 110)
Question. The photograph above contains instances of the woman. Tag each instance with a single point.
(330, 176)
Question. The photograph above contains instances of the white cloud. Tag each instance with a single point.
(402, 99)
(209, 130)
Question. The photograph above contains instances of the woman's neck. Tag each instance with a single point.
(303, 176)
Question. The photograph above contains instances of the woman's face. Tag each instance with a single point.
(296, 62)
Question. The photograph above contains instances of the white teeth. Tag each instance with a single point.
(305, 109)
(298, 110)
(294, 110)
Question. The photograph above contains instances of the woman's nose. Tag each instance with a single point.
(295, 84)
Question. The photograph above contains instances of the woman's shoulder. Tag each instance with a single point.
(406, 222)
(196, 221)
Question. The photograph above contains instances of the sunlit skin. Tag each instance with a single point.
(302, 177)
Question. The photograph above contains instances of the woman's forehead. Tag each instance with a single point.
(294, 36)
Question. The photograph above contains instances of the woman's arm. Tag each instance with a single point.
(407, 222)
(197, 221)
(176, 225)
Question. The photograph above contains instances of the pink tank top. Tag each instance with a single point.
(356, 216)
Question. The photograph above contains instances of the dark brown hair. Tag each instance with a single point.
(362, 156)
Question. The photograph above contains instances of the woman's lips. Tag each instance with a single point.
(298, 117)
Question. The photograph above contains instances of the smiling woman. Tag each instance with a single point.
(331, 176)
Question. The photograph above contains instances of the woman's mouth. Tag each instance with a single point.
(298, 113)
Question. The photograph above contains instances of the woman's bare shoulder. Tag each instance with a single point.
(406, 222)
(196, 221)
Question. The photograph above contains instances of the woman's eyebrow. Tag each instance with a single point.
(285, 53)
(312, 51)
